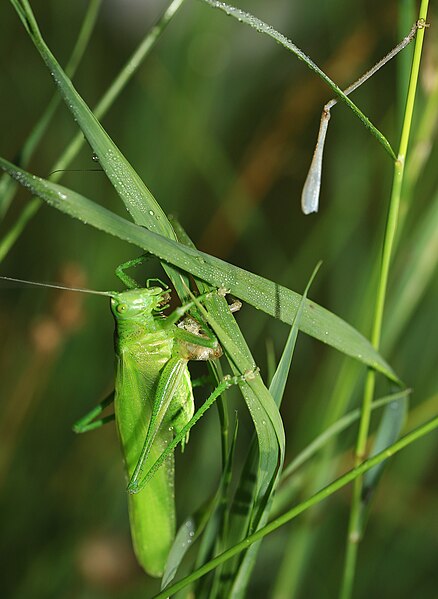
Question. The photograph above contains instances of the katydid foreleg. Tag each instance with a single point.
(126, 279)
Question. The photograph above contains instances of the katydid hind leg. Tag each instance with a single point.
(203, 381)
(170, 381)
(225, 384)
(182, 407)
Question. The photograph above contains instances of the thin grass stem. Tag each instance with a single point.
(312, 185)
(327, 491)
(99, 111)
(355, 527)
(8, 187)
(262, 27)
(334, 430)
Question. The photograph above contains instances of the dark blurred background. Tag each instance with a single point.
(220, 122)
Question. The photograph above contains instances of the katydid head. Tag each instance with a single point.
(125, 305)
(136, 303)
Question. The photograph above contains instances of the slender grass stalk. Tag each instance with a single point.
(334, 430)
(99, 111)
(7, 187)
(420, 153)
(327, 491)
(312, 186)
(354, 528)
(262, 27)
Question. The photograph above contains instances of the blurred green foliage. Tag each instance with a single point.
(220, 123)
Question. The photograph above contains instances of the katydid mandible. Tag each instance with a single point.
(153, 401)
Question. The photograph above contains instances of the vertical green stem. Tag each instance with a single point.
(355, 525)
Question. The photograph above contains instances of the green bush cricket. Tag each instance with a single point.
(153, 402)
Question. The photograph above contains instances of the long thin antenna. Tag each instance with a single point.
(35, 284)
(312, 186)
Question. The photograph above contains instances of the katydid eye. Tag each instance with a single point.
(121, 308)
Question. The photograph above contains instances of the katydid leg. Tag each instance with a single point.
(88, 422)
(225, 384)
(126, 279)
(170, 382)
(202, 381)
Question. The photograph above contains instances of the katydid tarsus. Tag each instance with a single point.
(153, 402)
(312, 185)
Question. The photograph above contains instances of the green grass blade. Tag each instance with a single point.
(262, 27)
(288, 486)
(183, 540)
(204, 520)
(240, 572)
(260, 403)
(327, 491)
(281, 374)
(419, 267)
(114, 90)
(390, 234)
(268, 453)
(278, 301)
(268, 443)
(137, 198)
(391, 424)
(212, 539)
(217, 538)
(7, 185)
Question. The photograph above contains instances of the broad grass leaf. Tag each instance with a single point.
(266, 295)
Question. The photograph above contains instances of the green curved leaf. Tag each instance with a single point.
(263, 294)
